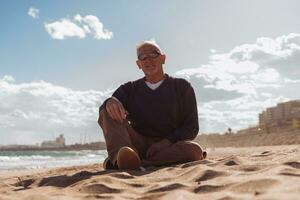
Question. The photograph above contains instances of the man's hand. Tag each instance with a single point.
(115, 110)
(158, 146)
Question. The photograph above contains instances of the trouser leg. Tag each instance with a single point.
(180, 152)
(118, 135)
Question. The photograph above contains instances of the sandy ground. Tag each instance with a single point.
(270, 172)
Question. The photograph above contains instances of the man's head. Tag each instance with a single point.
(150, 59)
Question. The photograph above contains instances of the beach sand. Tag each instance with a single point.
(267, 172)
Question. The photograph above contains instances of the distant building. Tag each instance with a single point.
(287, 113)
(58, 142)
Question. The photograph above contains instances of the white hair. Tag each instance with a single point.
(148, 42)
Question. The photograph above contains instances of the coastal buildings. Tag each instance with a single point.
(283, 115)
(58, 142)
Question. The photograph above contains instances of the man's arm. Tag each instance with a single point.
(115, 104)
(189, 125)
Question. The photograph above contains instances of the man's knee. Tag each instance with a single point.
(105, 120)
(102, 112)
(192, 150)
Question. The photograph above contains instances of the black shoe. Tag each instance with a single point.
(107, 164)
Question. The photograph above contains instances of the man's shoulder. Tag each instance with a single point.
(126, 88)
(180, 82)
(133, 83)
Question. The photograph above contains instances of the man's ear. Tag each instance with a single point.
(138, 62)
(163, 58)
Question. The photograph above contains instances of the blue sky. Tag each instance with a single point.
(236, 39)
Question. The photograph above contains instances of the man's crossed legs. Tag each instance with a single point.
(117, 136)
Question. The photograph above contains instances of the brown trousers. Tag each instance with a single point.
(118, 135)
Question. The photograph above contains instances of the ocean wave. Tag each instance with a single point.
(49, 159)
(16, 158)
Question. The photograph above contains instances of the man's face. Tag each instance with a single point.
(150, 60)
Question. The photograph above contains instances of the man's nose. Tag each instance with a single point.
(148, 58)
(148, 61)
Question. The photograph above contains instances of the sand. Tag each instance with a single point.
(268, 172)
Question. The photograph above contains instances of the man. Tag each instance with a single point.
(150, 121)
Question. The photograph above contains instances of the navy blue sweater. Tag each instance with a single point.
(170, 111)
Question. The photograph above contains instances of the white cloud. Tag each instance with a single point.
(232, 88)
(33, 12)
(92, 22)
(63, 29)
(42, 109)
(8, 78)
(281, 54)
(78, 27)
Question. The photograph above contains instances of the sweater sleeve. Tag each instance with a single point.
(188, 127)
(121, 93)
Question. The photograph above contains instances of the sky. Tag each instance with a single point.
(59, 60)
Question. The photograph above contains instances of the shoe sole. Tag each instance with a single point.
(127, 158)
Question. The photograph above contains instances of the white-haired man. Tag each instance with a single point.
(150, 121)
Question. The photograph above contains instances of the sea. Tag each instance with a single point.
(18, 160)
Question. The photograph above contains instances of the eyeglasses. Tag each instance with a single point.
(153, 54)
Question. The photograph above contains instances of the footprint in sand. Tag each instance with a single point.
(136, 185)
(252, 168)
(266, 152)
(195, 163)
(227, 198)
(263, 154)
(230, 161)
(98, 196)
(99, 189)
(210, 174)
(152, 196)
(167, 188)
(293, 164)
(209, 188)
(254, 186)
(290, 172)
(122, 175)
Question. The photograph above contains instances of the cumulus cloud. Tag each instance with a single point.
(41, 110)
(233, 87)
(33, 12)
(92, 22)
(78, 27)
(281, 54)
(63, 29)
